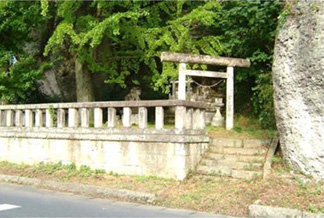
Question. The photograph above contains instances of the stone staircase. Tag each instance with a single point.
(237, 158)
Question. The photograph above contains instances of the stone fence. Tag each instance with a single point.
(64, 132)
(188, 115)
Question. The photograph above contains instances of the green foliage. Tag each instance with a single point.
(17, 21)
(124, 39)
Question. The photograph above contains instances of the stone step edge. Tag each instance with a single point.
(249, 155)
(260, 170)
(225, 162)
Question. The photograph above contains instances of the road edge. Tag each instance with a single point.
(97, 191)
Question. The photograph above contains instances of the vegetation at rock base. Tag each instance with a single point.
(121, 41)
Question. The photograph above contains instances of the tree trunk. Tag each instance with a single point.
(84, 89)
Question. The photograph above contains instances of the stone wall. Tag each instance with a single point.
(298, 76)
(132, 152)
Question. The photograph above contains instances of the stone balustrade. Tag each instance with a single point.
(188, 115)
(92, 134)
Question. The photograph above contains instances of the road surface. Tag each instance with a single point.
(20, 201)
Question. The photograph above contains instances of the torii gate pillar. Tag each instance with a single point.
(230, 98)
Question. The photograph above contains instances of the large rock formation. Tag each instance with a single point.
(298, 73)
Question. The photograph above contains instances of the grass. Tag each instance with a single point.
(219, 195)
(244, 128)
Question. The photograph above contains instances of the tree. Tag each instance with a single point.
(17, 21)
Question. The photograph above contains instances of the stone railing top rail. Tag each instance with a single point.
(113, 104)
(204, 59)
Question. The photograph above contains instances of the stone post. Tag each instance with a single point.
(199, 120)
(127, 112)
(28, 118)
(84, 117)
(48, 118)
(112, 121)
(142, 117)
(230, 98)
(73, 117)
(39, 118)
(202, 119)
(1, 120)
(182, 82)
(188, 120)
(18, 118)
(159, 118)
(97, 117)
(9, 118)
(60, 118)
(180, 117)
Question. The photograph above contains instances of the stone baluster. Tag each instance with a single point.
(49, 118)
(112, 119)
(73, 117)
(159, 118)
(127, 113)
(189, 120)
(84, 117)
(18, 118)
(142, 117)
(1, 120)
(39, 118)
(180, 117)
(9, 118)
(199, 121)
(60, 118)
(97, 117)
(28, 118)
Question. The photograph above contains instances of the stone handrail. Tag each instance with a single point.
(188, 115)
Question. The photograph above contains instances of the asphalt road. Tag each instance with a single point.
(20, 201)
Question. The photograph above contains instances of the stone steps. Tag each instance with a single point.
(235, 158)
(233, 164)
(243, 151)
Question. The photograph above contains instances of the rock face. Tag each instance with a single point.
(298, 74)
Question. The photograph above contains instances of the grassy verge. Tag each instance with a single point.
(210, 194)
(244, 128)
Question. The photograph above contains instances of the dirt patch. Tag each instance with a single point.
(219, 195)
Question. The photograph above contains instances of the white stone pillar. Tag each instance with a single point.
(182, 82)
(84, 117)
(159, 118)
(230, 98)
(39, 118)
(142, 117)
(127, 113)
(1, 119)
(195, 119)
(73, 117)
(97, 117)
(202, 119)
(28, 118)
(60, 118)
(18, 118)
(189, 121)
(180, 117)
(9, 118)
(49, 118)
(112, 119)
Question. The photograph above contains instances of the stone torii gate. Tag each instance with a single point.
(230, 63)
